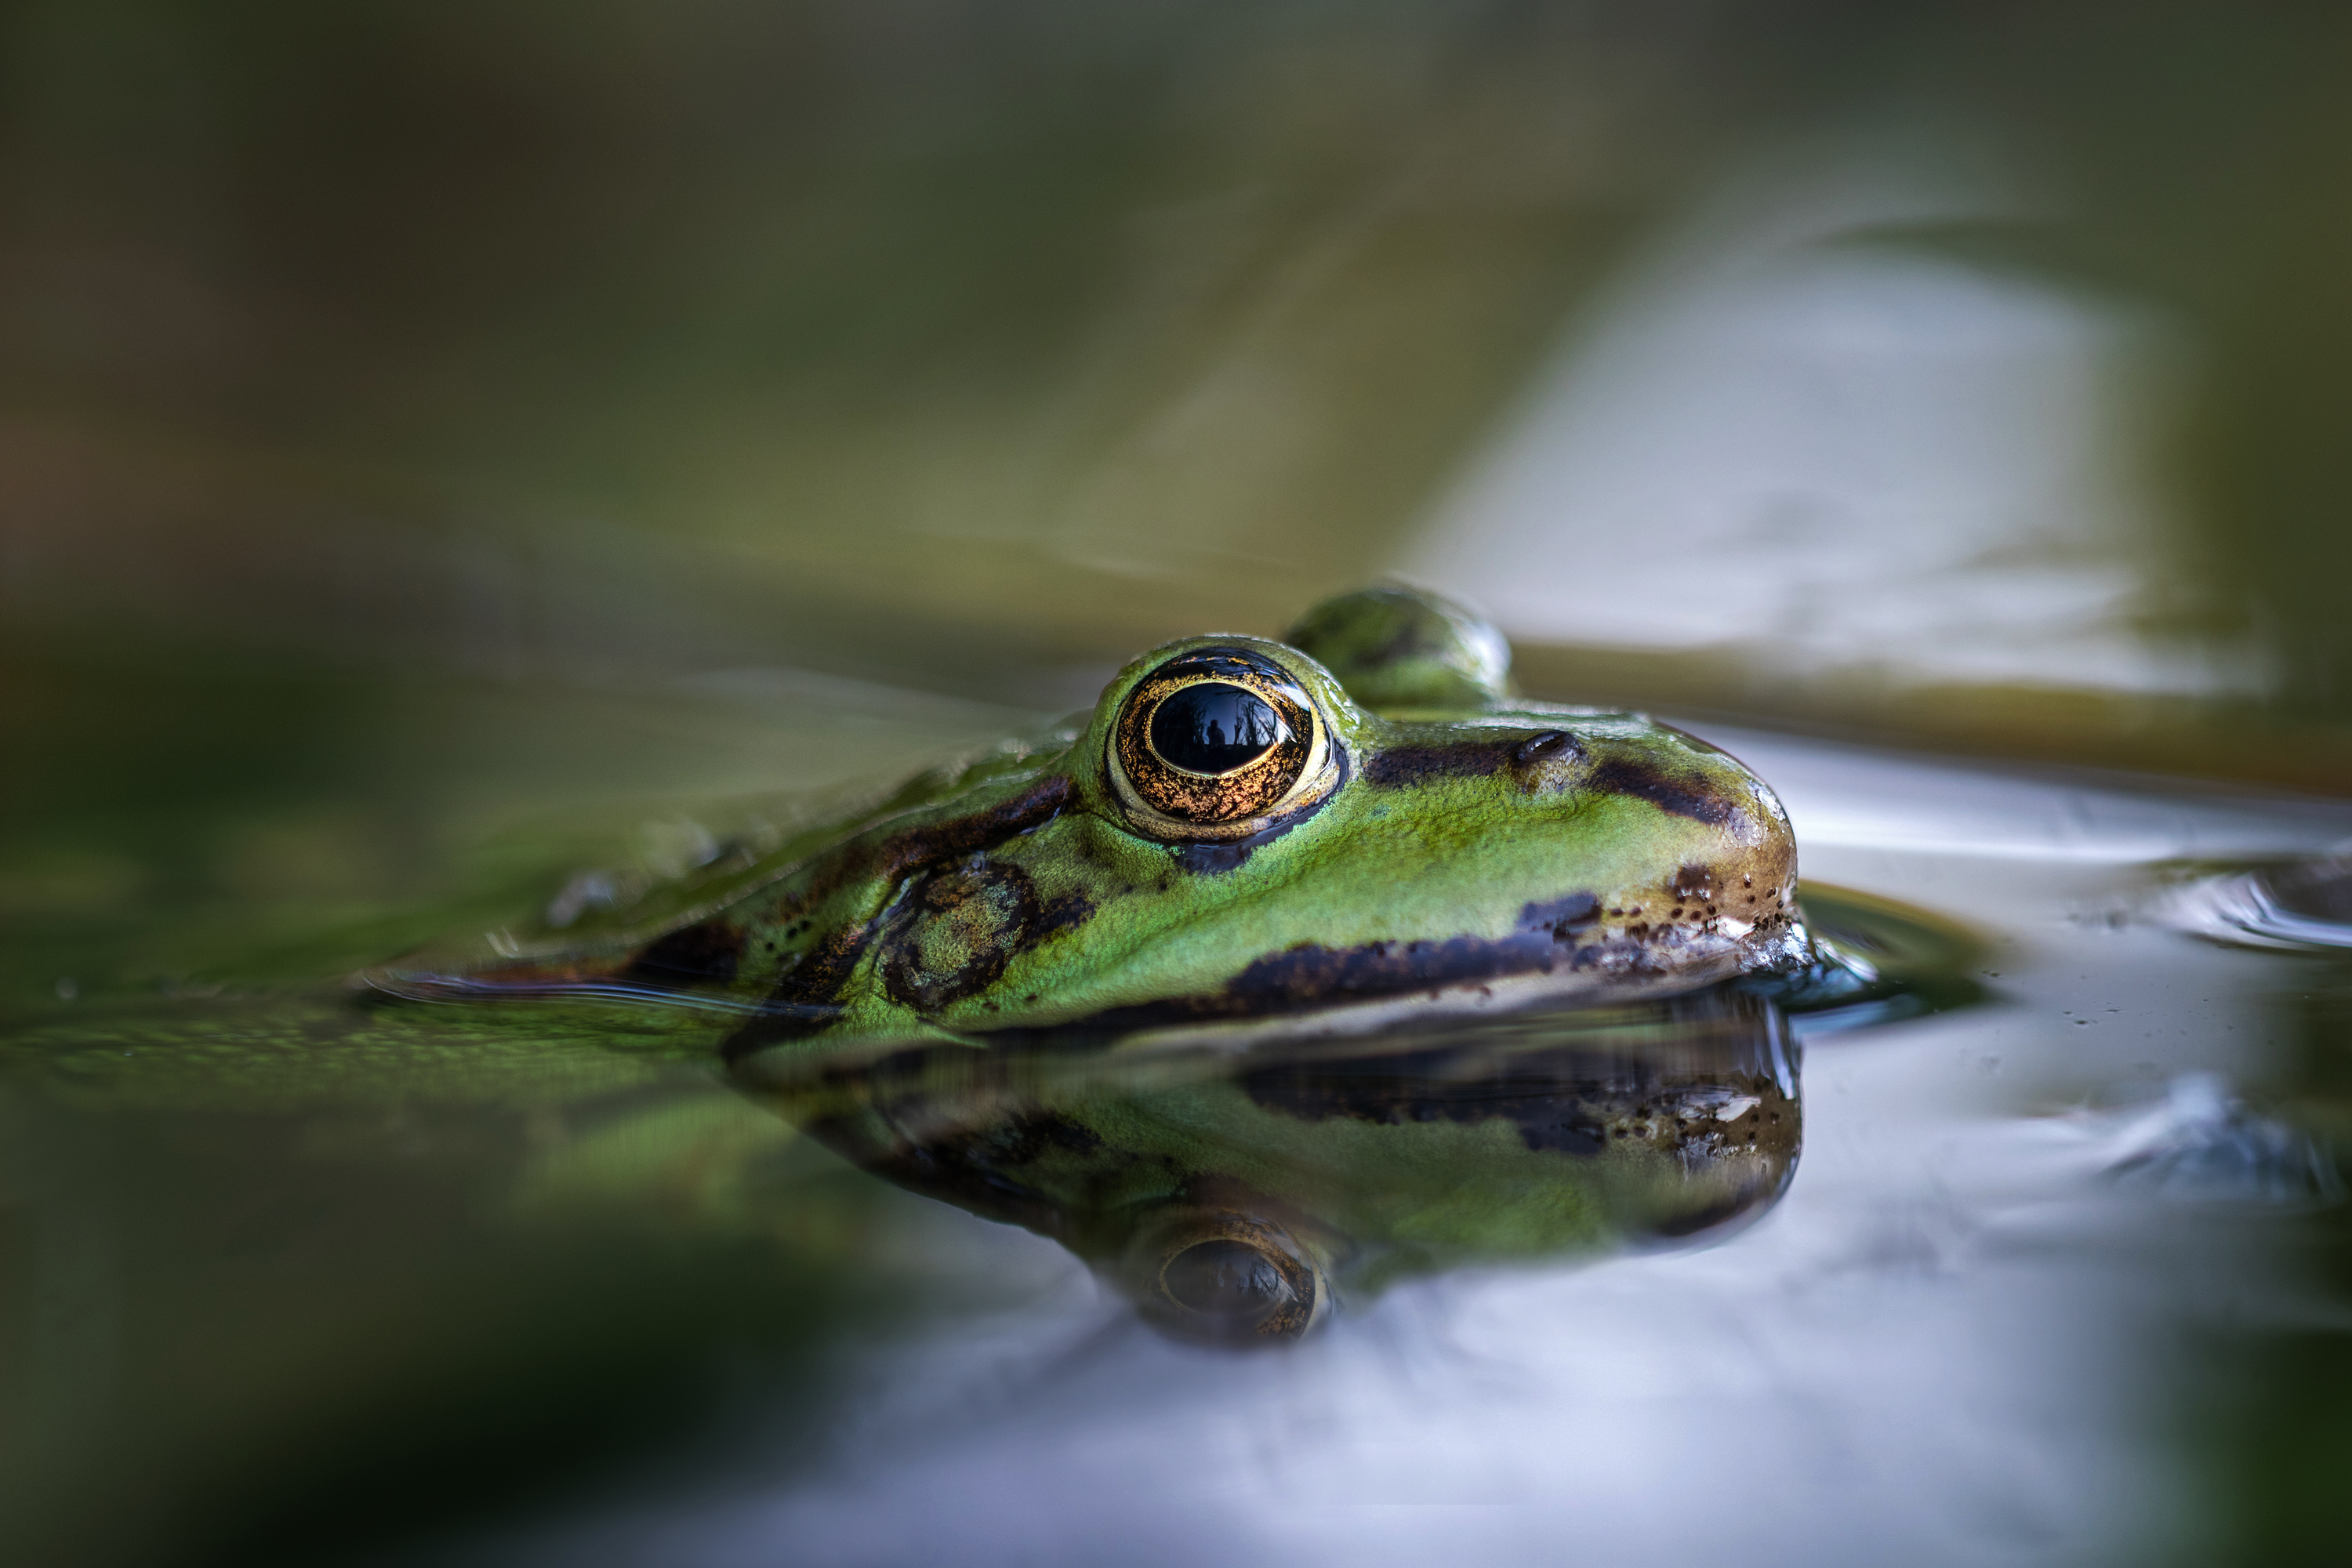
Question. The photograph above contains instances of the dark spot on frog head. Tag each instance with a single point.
(1067, 912)
(807, 995)
(704, 953)
(1213, 858)
(1561, 916)
(1531, 760)
(1400, 766)
(1686, 794)
(1691, 882)
(1310, 973)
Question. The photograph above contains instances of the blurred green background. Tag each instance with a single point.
(393, 396)
(409, 413)
(377, 380)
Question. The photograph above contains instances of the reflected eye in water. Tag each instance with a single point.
(1215, 742)
(1224, 1278)
(1235, 1194)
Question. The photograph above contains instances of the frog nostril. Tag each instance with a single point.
(1543, 748)
(1225, 1279)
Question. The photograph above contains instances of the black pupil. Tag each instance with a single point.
(1213, 728)
(1225, 1279)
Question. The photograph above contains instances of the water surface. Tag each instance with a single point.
(331, 1274)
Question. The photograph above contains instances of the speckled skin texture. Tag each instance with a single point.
(1475, 856)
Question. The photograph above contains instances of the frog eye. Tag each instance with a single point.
(1215, 740)
(1226, 1277)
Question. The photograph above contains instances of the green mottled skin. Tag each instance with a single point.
(1011, 892)
(1481, 854)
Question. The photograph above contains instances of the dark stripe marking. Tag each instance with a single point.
(1684, 796)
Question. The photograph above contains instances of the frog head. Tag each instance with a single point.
(1322, 835)
(1276, 975)
(1234, 835)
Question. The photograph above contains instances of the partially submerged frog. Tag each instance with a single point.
(1359, 823)
(1329, 869)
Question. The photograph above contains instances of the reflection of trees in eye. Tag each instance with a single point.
(1231, 721)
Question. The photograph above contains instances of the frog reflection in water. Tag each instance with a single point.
(1233, 1200)
(1336, 836)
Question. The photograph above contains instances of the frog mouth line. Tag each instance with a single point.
(1305, 989)
(1311, 990)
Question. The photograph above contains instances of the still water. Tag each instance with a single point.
(337, 1280)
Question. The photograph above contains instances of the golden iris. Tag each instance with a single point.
(1214, 738)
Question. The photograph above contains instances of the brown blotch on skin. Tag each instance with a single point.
(1213, 859)
(807, 995)
(1682, 796)
(1693, 883)
(1232, 854)
(1311, 972)
(1067, 912)
(1534, 762)
(1560, 916)
(1402, 766)
(953, 933)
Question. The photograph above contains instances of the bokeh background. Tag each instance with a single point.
(401, 401)
(430, 433)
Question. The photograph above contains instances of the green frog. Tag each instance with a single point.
(1355, 825)
(1292, 969)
